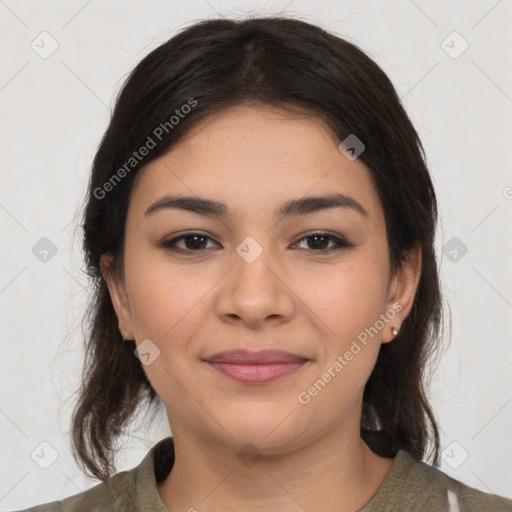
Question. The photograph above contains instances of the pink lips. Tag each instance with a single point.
(256, 367)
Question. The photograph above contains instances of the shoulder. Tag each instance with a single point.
(444, 490)
(414, 485)
(112, 494)
(133, 489)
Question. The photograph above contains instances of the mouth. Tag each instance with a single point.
(256, 367)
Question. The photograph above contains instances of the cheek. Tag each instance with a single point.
(163, 296)
(165, 303)
(346, 298)
(348, 305)
(347, 301)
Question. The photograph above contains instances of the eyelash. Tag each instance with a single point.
(340, 242)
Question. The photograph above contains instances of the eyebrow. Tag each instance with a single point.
(292, 207)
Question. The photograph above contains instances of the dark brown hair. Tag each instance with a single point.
(297, 66)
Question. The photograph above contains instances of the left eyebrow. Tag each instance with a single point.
(292, 207)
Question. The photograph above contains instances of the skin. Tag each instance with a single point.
(293, 297)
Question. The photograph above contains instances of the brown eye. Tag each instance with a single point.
(319, 242)
(192, 242)
(198, 242)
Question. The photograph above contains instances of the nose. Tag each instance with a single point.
(255, 292)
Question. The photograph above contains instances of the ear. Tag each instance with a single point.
(118, 296)
(402, 291)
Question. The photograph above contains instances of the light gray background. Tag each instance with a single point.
(55, 110)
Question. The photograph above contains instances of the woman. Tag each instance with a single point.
(260, 227)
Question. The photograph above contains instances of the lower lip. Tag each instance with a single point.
(257, 373)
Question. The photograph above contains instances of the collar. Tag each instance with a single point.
(143, 479)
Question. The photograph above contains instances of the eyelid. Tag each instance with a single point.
(340, 242)
(168, 243)
(326, 233)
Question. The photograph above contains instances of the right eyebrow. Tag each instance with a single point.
(300, 206)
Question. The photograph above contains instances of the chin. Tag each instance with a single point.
(270, 427)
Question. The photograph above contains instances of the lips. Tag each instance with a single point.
(256, 367)
(262, 357)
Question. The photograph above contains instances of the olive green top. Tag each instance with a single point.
(409, 486)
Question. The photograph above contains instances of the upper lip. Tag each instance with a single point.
(260, 357)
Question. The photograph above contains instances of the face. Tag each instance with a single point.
(312, 279)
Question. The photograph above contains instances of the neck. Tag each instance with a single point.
(332, 469)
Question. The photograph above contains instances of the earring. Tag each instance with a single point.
(394, 330)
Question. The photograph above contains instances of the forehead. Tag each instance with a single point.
(255, 155)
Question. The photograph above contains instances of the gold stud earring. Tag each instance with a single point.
(394, 330)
